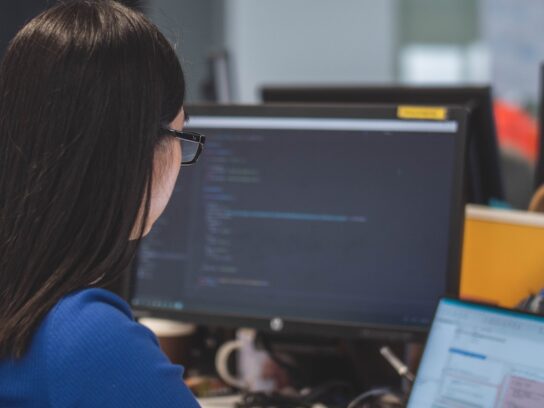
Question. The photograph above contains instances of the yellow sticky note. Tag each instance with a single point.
(422, 112)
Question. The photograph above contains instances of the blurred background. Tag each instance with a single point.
(230, 49)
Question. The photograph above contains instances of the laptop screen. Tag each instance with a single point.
(481, 356)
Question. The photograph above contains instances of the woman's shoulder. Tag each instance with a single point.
(93, 300)
(90, 317)
(93, 343)
(94, 322)
(90, 306)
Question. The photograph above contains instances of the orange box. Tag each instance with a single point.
(503, 255)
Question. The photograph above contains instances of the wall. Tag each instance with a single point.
(282, 41)
(514, 32)
(195, 27)
(309, 41)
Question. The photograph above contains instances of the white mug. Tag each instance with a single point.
(250, 363)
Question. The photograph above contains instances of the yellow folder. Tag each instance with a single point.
(503, 255)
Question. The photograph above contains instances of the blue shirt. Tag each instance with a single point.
(89, 352)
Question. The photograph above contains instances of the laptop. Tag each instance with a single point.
(481, 356)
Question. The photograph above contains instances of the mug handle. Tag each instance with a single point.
(221, 364)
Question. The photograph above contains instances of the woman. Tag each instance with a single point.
(84, 173)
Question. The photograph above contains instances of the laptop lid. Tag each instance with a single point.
(481, 356)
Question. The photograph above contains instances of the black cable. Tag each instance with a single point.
(276, 400)
(297, 375)
(332, 394)
(319, 393)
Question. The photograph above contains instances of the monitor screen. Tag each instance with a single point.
(484, 184)
(480, 356)
(308, 218)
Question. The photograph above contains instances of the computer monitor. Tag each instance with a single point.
(339, 221)
(484, 181)
(481, 356)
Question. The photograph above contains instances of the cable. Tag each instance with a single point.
(318, 394)
(368, 394)
(324, 395)
(296, 373)
(401, 368)
(262, 400)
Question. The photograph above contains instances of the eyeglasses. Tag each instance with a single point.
(192, 144)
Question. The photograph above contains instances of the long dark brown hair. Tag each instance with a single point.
(84, 87)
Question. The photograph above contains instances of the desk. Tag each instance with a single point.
(219, 402)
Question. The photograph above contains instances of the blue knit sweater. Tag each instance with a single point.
(89, 352)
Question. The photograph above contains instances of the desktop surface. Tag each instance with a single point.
(481, 356)
(305, 218)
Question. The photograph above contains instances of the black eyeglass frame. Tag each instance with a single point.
(190, 137)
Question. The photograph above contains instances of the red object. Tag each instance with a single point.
(516, 129)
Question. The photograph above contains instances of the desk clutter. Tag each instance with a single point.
(468, 343)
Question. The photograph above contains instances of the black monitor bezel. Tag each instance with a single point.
(484, 173)
(328, 328)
